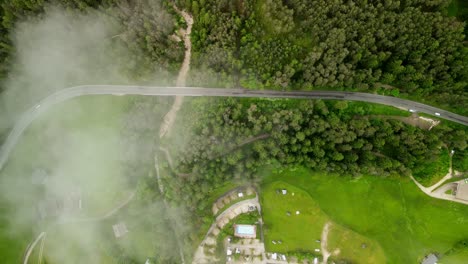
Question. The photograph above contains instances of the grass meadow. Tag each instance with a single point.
(394, 213)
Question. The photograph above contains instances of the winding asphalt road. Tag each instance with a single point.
(68, 93)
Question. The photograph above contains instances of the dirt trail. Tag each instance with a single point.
(326, 254)
(170, 117)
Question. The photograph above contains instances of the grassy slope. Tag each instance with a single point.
(300, 232)
(361, 108)
(457, 258)
(405, 222)
(349, 243)
(433, 171)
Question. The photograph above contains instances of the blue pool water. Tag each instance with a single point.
(245, 230)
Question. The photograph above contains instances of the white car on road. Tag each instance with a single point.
(437, 114)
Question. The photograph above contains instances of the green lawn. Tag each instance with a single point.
(299, 232)
(349, 244)
(457, 258)
(393, 212)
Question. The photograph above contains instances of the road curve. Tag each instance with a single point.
(68, 93)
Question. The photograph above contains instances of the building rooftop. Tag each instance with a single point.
(39, 176)
(120, 229)
(430, 259)
(462, 191)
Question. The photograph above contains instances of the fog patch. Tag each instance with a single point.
(63, 49)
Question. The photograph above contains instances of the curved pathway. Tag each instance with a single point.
(28, 117)
(32, 246)
(221, 220)
(74, 220)
(440, 193)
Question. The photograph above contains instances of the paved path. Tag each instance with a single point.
(438, 193)
(32, 246)
(324, 243)
(60, 96)
(437, 190)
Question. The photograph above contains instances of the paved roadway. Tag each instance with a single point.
(68, 93)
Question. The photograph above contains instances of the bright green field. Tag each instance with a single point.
(349, 244)
(300, 232)
(458, 258)
(406, 223)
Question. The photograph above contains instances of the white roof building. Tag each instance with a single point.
(120, 229)
(274, 256)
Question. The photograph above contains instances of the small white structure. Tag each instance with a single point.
(274, 256)
(274, 242)
(229, 252)
(297, 212)
(430, 259)
(317, 250)
(39, 177)
(315, 260)
(237, 251)
(120, 229)
(283, 257)
(284, 191)
(240, 195)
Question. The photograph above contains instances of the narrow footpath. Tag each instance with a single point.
(170, 117)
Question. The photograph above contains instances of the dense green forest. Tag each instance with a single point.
(409, 48)
(145, 26)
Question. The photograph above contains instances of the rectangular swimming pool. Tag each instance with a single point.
(245, 230)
